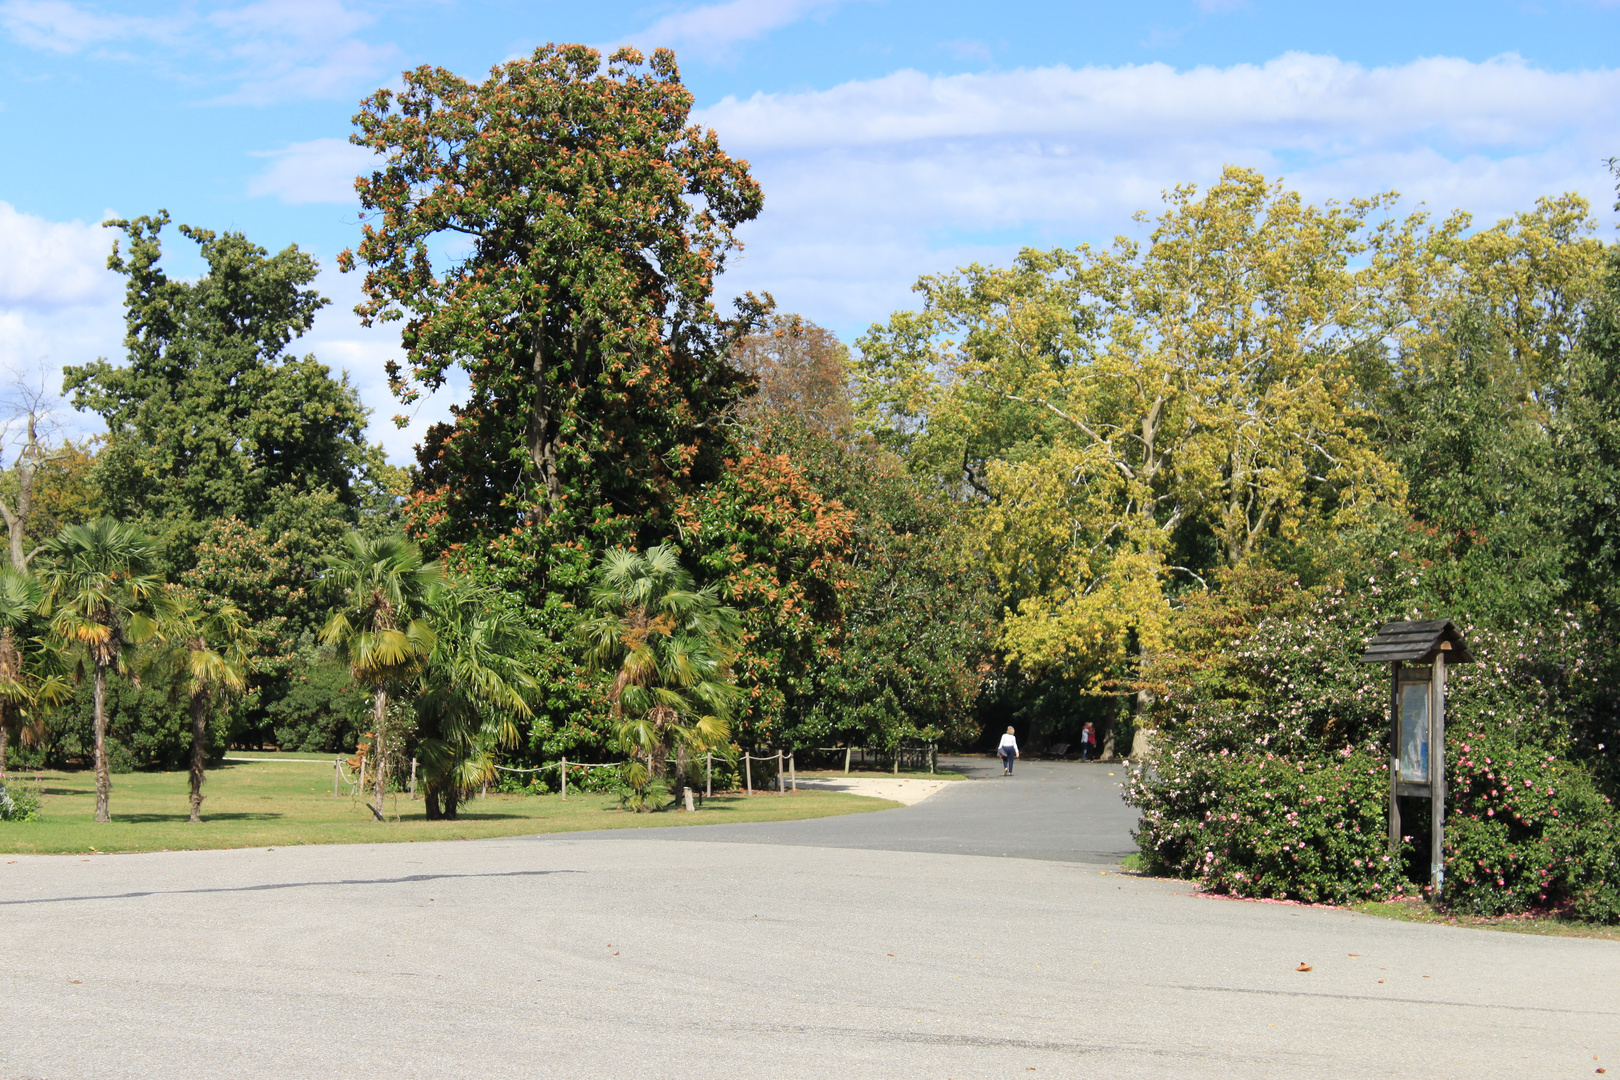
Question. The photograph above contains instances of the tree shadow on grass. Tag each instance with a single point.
(160, 819)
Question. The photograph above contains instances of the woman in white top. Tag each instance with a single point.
(1008, 751)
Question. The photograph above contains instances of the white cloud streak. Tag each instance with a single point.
(872, 183)
(714, 30)
(318, 171)
(266, 51)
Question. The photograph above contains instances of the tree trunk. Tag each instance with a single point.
(379, 715)
(542, 444)
(199, 736)
(5, 738)
(103, 775)
(452, 797)
(430, 796)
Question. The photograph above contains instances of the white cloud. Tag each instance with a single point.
(46, 265)
(1315, 102)
(266, 51)
(60, 27)
(872, 183)
(318, 171)
(713, 30)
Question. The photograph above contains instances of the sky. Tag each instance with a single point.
(893, 138)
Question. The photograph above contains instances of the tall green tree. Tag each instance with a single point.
(381, 586)
(475, 689)
(210, 416)
(594, 218)
(104, 599)
(669, 647)
(203, 654)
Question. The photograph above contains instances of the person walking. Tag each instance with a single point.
(1088, 741)
(1008, 751)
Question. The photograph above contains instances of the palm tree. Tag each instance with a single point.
(380, 585)
(203, 655)
(103, 598)
(670, 646)
(475, 685)
(31, 670)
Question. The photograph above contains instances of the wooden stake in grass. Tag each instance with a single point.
(748, 772)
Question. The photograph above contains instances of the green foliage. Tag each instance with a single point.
(1528, 830)
(778, 550)
(669, 647)
(319, 709)
(18, 805)
(1293, 710)
(475, 687)
(916, 607)
(208, 418)
(1484, 478)
(148, 729)
(1253, 824)
(583, 315)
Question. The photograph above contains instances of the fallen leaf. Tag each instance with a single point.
(1380, 982)
(891, 954)
(1355, 954)
(77, 982)
(1303, 966)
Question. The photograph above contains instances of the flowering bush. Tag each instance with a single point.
(1262, 825)
(17, 804)
(1270, 777)
(1527, 830)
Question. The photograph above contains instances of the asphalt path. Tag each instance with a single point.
(683, 953)
(1062, 811)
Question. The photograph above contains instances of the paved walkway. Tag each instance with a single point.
(1057, 810)
(672, 954)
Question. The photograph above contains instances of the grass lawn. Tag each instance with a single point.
(1418, 911)
(278, 803)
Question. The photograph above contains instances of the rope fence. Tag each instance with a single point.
(787, 776)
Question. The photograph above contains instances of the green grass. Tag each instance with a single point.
(1552, 926)
(279, 803)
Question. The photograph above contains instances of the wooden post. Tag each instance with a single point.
(337, 774)
(708, 776)
(1437, 775)
(748, 772)
(413, 778)
(687, 792)
(793, 773)
(897, 761)
(847, 749)
(780, 785)
(564, 768)
(933, 757)
(1394, 760)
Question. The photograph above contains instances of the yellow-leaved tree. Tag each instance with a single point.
(1129, 420)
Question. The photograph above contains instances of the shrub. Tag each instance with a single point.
(17, 804)
(1271, 775)
(1527, 830)
(1266, 826)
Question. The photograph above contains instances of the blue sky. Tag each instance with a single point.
(892, 138)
